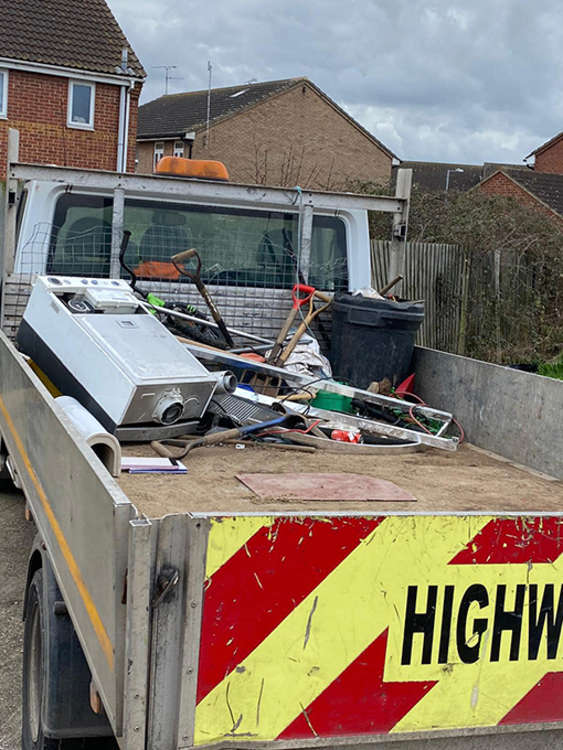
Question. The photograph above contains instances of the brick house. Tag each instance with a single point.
(284, 132)
(69, 83)
(540, 190)
(549, 156)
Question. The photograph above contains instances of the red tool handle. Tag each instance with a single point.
(299, 289)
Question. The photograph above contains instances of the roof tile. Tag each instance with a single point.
(80, 34)
(545, 186)
(174, 114)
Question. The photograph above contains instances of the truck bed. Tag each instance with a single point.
(469, 480)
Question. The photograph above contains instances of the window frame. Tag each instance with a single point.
(4, 97)
(156, 151)
(69, 121)
(177, 151)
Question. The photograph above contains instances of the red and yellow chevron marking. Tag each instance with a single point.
(324, 627)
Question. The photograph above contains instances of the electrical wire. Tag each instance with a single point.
(280, 433)
(305, 389)
(421, 402)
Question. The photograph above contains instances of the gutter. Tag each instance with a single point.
(66, 72)
(149, 139)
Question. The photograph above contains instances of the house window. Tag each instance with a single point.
(81, 105)
(158, 152)
(3, 93)
(179, 148)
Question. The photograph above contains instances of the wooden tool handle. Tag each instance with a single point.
(162, 450)
(184, 255)
(278, 344)
(301, 330)
(220, 437)
(387, 288)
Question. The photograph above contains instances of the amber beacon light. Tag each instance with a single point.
(199, 168)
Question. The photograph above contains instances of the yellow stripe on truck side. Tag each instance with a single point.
(478, 694)
(74, 570)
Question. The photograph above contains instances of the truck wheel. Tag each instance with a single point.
(34, 648)
(7, 483)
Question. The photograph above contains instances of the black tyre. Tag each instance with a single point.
(35, 648)
(6, 482)
(34, 677)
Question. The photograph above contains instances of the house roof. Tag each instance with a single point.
(544, 186)
(173, 115)
(79, 34)
(432, 175)
(545, 145)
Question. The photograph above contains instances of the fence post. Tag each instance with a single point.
(400, 227)
(466, 273)
(497, 262)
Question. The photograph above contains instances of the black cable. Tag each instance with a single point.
(122, 249)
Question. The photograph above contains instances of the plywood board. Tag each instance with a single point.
(322, 486)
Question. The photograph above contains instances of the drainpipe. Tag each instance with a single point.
(121, 133)
(126, 123)
(124, 113)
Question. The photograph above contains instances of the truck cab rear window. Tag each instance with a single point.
(238, 247)
(80, 242)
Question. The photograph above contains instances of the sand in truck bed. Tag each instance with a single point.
(467, 480)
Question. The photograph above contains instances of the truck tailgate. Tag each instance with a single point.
(314, 627)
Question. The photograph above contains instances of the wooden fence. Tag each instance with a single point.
(437, 274)
(500, 306)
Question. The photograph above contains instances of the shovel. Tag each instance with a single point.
(195, 276)
(300, 294)
(305, 323)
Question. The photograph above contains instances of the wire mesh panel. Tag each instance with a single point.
(83, 248)
(249, 260)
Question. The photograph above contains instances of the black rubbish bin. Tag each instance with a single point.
(373, 339)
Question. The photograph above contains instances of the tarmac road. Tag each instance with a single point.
(16, 536)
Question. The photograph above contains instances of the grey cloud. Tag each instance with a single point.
(432, 79)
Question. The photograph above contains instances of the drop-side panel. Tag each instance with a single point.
(81, 514)
(320, 630)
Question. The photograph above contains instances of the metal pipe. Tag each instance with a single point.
(226, 381)
(243, 334)
(121, 129)
(126, 124)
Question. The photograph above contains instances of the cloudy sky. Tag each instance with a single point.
(471, 81)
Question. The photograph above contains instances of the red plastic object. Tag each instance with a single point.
(298, 290)
(407, 386)
(345, 436)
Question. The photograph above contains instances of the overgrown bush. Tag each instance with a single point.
(513, 306)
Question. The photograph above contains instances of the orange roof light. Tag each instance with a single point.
(178, 166)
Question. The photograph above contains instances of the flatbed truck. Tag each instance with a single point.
(180, 612)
